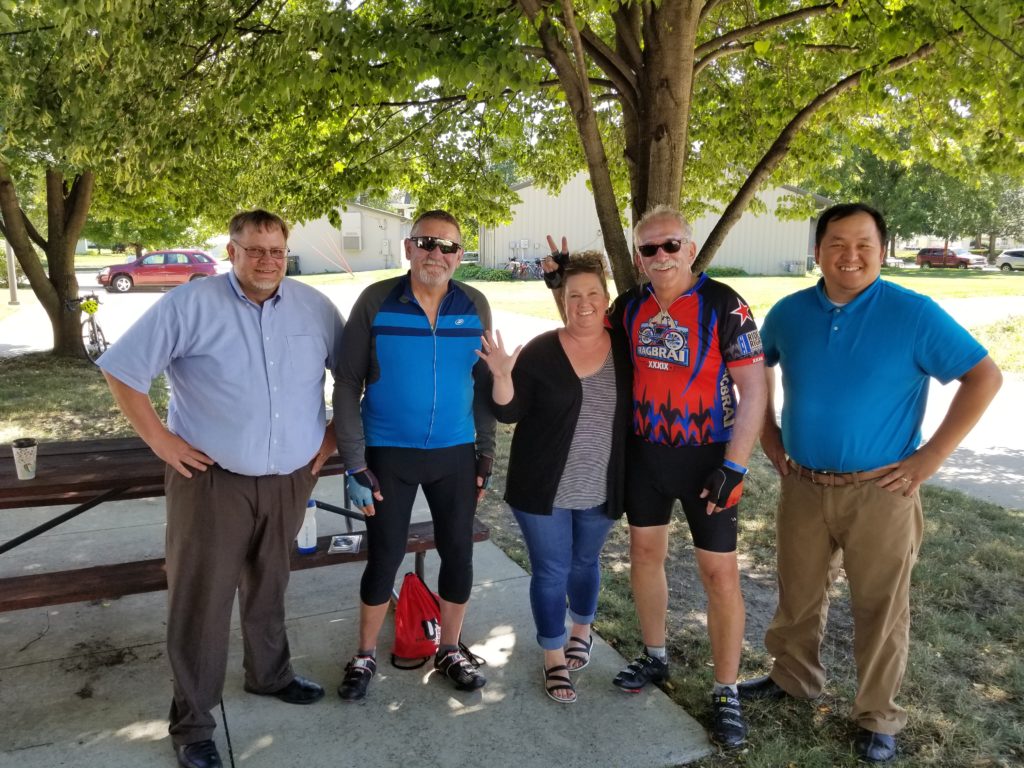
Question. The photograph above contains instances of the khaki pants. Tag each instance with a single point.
(227, 532)
(876, 536)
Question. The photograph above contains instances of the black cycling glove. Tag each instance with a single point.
(484, 465)
(725, 486)
(554, 279)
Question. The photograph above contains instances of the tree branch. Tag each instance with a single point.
(17, 32)
(579, 56)
(709, 6)
(32, 232)
(763, 26)
(991, 34)
(780, 147)
(734, 48)
(624, 80)
(627, 35)
(729, 50)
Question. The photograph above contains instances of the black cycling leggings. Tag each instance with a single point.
(448, 477)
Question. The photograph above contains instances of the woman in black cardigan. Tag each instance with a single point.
(569, 392)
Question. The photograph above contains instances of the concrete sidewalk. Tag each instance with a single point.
(88, 684)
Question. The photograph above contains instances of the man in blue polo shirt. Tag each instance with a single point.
(245, 354)
(857, 354)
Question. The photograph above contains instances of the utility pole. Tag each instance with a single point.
(12, 277)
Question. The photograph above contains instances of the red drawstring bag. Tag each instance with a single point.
(417, 624)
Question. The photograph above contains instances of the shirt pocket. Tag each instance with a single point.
(307, 358)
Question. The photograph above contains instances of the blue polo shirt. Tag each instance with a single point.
(856, 377)
(247, 381)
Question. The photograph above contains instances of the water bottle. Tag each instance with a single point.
(307, 534)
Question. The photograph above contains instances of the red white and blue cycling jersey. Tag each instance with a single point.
(682, 391)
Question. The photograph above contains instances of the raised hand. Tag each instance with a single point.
(558, 257)
(498, 360)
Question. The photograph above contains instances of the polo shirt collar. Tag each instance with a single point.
(860, 300)
(233, 280)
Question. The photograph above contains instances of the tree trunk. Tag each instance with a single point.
(568, 61)
(66, 211)
(666, 87)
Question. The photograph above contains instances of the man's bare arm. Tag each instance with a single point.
(138, 409)
(752, 389)
(977, 389)
(771, 435)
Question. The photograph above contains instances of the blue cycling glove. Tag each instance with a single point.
(361, 485)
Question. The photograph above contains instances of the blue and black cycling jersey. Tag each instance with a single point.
(405, 384)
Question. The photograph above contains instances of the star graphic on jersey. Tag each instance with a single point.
(742, 311)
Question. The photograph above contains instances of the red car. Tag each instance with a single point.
(160, 268)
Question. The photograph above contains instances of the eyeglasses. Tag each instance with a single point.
(428, 244)
(257, 253)
(669, 246)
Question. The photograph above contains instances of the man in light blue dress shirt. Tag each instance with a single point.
(245, 354)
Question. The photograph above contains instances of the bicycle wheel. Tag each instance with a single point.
(94, 340)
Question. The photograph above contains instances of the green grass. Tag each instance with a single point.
(1005, 342)
(94, 260)
(60, 399)
(356, 278)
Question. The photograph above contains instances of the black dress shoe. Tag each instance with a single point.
(761, 688)
(298, 691)
(201, 754)
(875, 747)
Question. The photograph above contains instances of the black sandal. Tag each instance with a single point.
(579, 651)
(555, 682)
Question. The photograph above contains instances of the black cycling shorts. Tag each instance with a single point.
(448, 479)
(659, 475)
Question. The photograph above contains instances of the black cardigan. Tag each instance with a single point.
(546, 404)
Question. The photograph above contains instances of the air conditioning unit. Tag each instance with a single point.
(351, 231)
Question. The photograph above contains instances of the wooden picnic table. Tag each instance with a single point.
(90, 472)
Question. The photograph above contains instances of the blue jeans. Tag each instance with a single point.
(564, 548)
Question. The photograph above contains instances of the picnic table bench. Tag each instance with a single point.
(91, 472)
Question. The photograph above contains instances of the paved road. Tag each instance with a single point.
(989, 464)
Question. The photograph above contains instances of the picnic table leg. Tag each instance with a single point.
(75, 512)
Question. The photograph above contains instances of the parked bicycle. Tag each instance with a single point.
(92, 335)
(524, 269)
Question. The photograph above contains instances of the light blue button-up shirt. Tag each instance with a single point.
(247, 381)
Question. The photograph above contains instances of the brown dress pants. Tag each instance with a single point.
(227, 532)
(876, 536)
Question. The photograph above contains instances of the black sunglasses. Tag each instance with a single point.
(428, 244)
(669, 246)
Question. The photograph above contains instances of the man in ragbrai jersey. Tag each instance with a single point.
(694, 347)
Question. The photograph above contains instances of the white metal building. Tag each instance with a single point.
(369, 238)
(760, 245)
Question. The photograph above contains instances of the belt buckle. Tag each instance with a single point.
(827, 475)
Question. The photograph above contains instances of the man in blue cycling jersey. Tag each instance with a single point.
(414, 399)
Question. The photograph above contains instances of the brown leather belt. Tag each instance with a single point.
(837, 478)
